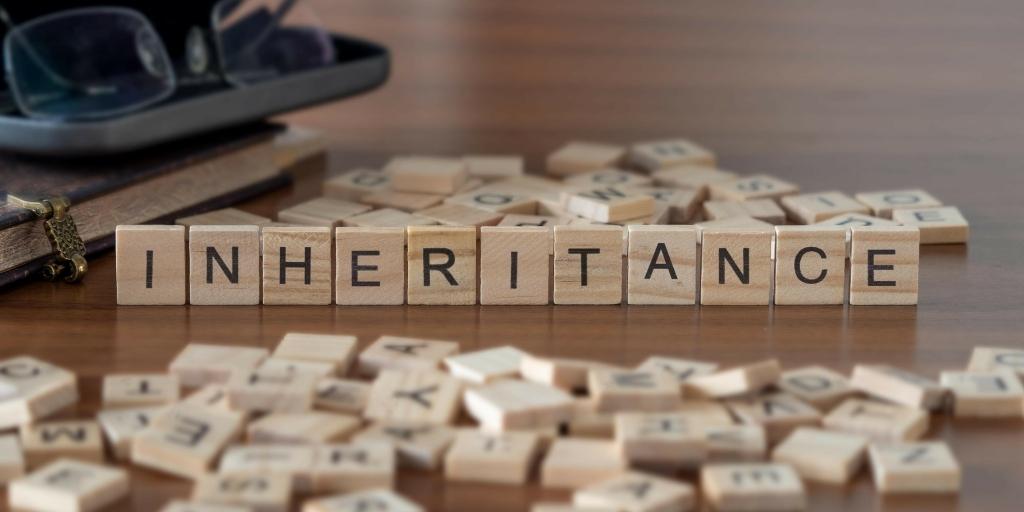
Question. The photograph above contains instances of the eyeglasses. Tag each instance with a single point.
(101, 62)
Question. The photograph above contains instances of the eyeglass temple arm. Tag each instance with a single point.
(282, 11)
(5, 18)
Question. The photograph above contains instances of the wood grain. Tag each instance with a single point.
(828, 95)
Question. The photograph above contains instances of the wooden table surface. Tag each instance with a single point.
(852, 96)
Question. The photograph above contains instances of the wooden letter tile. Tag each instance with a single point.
(388, 218)
(681, 370)
(607, 203)
(322, 211)
(898, 386)
(819, 386)
(423, 396)
(120, 426)
(588, 265)
(734, 443)
(191, 506)
(698, 179)
(185, 439)
(199, 364)
(850, 220)
(425, 174)
(353, 467)
(741, 380)
(150, 265)
(398, 353)
(494, 167)
(302, 428)
(660, 154)
(993, 394)
(580, 157)
(494, 198)
(736, 267)
(504, 458)
(759, 186)
(224, 265)
(341, 395)
(139, 389)
(662, 265)
(984, 359)
(258, 491)
(576, 463)
(418, 445)
(568, 374)
(810, 265)
(761, 487)
(778, 413)
(403, 201)
(941, 225)
(455, 214)
(356, 184)
(515, 265)
(485, 365)
(766, 210)
(223, 217)
(12, 459)
(816, 207)
(382, 500)
(878, 421)
(369, 266)
(637, 492)
(293, 461)
(338, 350)
(516, 404)
(297, 265)
(314, 368)
(69, 486)
(609, 177)
(666, 441)
(915, 468)
(633, 390)
(31, 389)
(823, 456)
(884, 265)
(441, 265)
(265, 391)
(883, 203)
(49, 441)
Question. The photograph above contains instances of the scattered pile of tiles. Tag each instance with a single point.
(322, 424)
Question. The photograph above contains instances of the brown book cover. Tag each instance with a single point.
(156, 185)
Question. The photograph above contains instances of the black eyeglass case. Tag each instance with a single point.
(361, 66)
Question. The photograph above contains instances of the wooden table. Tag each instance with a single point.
(832, 95)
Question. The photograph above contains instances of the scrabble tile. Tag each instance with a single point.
(660, 440)
(356, 184)
(586, 421)
(661, 154)
(706, 413)
(69, 485)
(425, 174)
(297, 266)
(369, 266)
(736, 267)
(353, 467)
(564, 507)
(749, 223)
(31, 389)
(487, 365)
(985, 359)
(818, 206)
(424, 396)
(914, 468)
(608, 203)
(741, 380)
(418, 445)
(517, 220)
(823, 456)
(810, 265)
(578, 462)
(516, 404)
(588, 265)
(403, 201)
(191, 506)
(441, 265)
(494, 167)
(850, 220)
(766, 210)
(898, 386)
(662, 262)
(211, 396)
(883, 203)
(884, 265)
(503, 458)
(580, 157)
(979, 394)
(260, 492)
(120, 426)
(633, 390)
(302, 428)
(399, 353)
(224, 265)
(139, 389)
(184, 440)
(387, 218)
(222, 217)
(637, 492)
(341, 395)
(609, 177)
(681, 370)
(753, 486)
(322, 211)
(339, 350)
(940, 225)
(199, 364)
(12, 459)
(778, 413)
(454, 214)
(45, 442)
(515, 265)
(697, 178)
(294, 462)
(682, 205)
(733, 443)
(819, 386)
(878, 421)
(382, 500)
(270, 391)
(498, 199)
(281, 365)
(150, 265)
(760, 186)
(570, 374)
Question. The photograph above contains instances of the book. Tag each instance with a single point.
(156, 185)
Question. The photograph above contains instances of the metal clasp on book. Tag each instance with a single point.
(68, 261)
